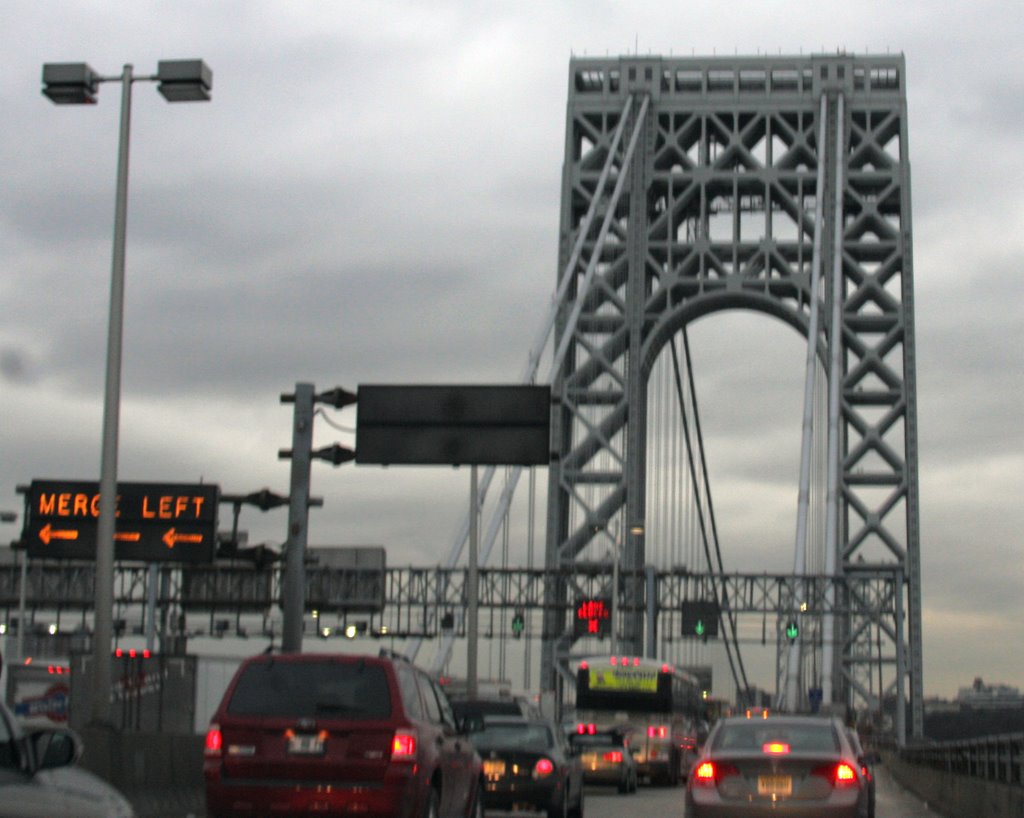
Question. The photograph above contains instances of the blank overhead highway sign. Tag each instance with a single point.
(453, 425)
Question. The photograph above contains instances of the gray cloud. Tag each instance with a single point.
(372, 196)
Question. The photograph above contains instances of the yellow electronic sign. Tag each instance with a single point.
(155, 522)
(624, 679)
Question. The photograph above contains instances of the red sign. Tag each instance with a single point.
(593, 617)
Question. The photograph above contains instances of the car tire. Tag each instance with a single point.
(476, 806)
(431, 809)
(578, 812)
(561, 810)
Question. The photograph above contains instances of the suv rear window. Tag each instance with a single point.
(344, 690)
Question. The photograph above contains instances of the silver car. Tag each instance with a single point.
(38, 776)
(779, 766)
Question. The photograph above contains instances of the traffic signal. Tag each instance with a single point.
(700, 618)
(518, 624)
(792, 631)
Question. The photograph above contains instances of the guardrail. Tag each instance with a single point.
(967, 778)
(992, 758)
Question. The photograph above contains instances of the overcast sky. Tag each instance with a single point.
(372, 196)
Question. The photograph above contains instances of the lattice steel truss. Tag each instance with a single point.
(694, 183)
(409, 603)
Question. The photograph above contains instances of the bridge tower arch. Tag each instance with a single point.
(779, 184)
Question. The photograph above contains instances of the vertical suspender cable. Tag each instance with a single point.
(803, 502)
(530, 373)
(835, 376)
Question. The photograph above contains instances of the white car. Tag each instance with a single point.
(38, 776)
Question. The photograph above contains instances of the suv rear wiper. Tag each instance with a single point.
(335, 707)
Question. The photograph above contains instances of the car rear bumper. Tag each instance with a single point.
(719, 808)
(236, 797)
(539, 795)
(599, 778)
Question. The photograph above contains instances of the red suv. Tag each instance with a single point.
(330, 734)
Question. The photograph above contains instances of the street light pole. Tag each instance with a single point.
(103, 626)
(75, 83)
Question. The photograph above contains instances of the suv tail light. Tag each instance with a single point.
(543, 767)
(214, 741)
(614, 756)
(403, 745)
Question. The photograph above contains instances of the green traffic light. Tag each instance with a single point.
(699, 630)
(792, 631)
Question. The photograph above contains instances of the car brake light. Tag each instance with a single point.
(775, 748)
(613, 756)
(838, 775)
(657, 732)
(214, 741)
(403, 746)
(710, 773)
(543, 767)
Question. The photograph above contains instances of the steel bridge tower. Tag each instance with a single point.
(780, 185)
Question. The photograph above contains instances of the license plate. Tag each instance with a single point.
(774, 785)
(494, 769)
(306, 744)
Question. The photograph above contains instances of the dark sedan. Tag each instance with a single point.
(528, 764)
(779, 766)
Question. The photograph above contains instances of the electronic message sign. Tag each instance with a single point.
(593, 617)
(155, 522)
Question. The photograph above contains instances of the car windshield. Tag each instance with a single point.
(754, 735)
(346, 690)
(523, 736)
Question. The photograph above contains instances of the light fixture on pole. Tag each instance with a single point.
(77, 84)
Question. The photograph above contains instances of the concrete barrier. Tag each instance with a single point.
(161, 774)
(959, 795)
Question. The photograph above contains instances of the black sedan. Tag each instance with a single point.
(779, 766)
(528, 764)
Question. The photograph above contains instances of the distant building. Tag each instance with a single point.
(935, 704)
(980, 696)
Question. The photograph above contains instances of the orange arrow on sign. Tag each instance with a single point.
(172, 538)
(127, 536)
(47, 534)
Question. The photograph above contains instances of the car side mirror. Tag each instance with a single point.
(55, 748)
